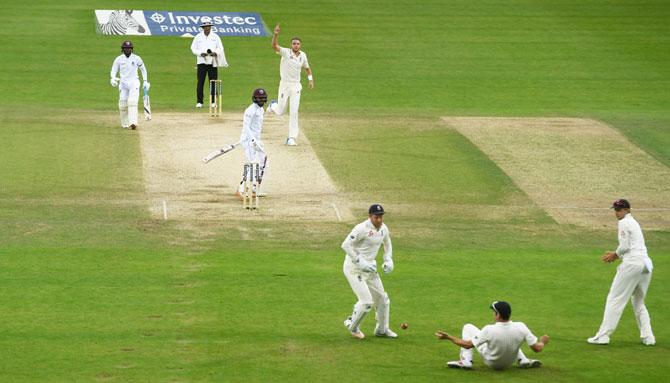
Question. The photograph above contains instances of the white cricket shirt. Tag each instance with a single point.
(631, 241)
(127, 67)
(202, 42)
(252, 125)
(291, 65)
(365, 240)
(502, 341)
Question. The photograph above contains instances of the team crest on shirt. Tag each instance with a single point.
(371, 233)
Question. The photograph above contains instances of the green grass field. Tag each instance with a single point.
(94, 289)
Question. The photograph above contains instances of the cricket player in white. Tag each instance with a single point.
(498, 343)
(290, 66)
(126, 65)
(250, 139)
(632, 278)
(360, 269)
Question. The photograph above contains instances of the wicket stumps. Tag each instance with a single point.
(250, 179)
(215, 97)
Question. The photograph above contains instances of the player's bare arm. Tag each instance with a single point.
(275, 45)
(537, 347)
(457, 341)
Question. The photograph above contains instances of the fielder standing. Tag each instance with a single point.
(360, 269)
(498, 344)
(250, 139)
(632, 278)
(290, 66)
(126, 65)
(208, 50)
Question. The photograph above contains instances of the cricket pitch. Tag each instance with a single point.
(573, 168)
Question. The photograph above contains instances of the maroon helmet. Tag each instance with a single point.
(126, 44)
(260, 96)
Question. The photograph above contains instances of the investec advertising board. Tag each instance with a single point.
(175, 23)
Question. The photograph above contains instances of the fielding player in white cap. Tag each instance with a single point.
(498, 343)
(290, 66)
(126, 65)
(632, 278)
(250, 139)
(360, 269)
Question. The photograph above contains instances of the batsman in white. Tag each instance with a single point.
(360, 269)
(126, 65)
(290, 66)
(498, 343)
(250, 139)
(632, 278)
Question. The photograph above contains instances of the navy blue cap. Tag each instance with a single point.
(376, 209)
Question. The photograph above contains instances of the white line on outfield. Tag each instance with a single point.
(337, 212)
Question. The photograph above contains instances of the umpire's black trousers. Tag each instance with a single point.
(205, 70)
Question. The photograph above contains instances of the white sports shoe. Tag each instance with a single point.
(124, 127)
(387, 334)
(213, 105)
(198, 105)
(356, 333)
(649, 341)
(460, 364)
(602, 340)
(291, 142)
(529, 363)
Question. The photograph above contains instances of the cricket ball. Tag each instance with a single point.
(404, 326)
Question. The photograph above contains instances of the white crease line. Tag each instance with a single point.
(337, 212)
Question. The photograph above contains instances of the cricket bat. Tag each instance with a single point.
(219, 152)
(147, 106)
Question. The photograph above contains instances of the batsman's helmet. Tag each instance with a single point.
(260, 96)
(127, 44)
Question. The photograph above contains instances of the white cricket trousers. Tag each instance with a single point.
(470, 331)
(631, 281)
(129, 94)
(369, 290)
(289, 92)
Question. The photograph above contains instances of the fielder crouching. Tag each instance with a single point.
(250, 139)
(360, 269)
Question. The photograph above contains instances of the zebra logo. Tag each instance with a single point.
(121, 22)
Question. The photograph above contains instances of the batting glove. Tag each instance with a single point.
(146, 85)
(387, 266)
(114, 82)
